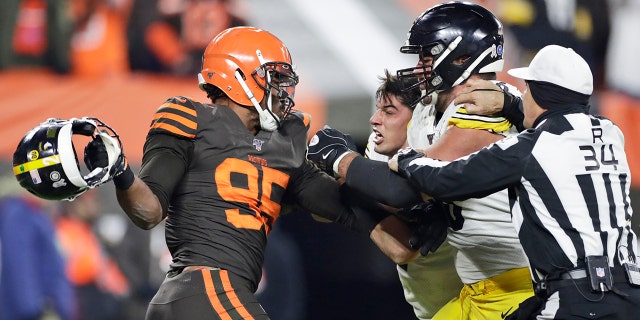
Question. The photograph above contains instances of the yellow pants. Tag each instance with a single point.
(488, 299)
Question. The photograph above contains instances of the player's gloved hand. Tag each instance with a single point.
(429, 223)
(327, 146)
(96, 157)
(400, 161)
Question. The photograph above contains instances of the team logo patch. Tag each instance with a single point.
(59, 184)
(257, 143)
(33, 155)
(35, 176)
(54, 175)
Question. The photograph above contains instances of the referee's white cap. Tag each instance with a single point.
(560, 66)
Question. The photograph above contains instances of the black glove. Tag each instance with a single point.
(405, 156)
(429, 223)
(95, 155)
(326, 146)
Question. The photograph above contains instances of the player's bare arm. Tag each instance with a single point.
(140, 205)
(392, 236)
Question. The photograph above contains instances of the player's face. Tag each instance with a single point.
(389, 123)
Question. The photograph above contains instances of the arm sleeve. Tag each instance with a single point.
(477, 175)
(368, 213)
(318, 193)
(374, 179)
(512, 110)
(165, 160)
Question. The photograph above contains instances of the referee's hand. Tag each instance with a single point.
(480, 97)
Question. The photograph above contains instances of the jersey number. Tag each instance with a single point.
(256, 194)
(607, 157)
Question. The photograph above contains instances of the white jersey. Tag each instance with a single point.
(487, 243)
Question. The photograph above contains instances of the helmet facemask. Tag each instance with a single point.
(249, 65)
(276, 79)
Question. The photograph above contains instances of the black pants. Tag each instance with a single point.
(573, 299)
(205, 294)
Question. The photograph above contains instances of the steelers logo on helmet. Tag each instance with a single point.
(45, 162)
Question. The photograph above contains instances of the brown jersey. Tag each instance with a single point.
(222, 208)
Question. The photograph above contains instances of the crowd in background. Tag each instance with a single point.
(72, 261)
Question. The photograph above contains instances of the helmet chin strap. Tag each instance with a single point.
(268, 120)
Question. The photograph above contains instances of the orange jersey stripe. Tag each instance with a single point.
(213, 297)
(172, 129)
(306, 120)
(233, 298)
(182, 120)
(169, 105)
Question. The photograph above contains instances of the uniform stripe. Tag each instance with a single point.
(176, 119)
(625, 196)
(590, 198)
(611, 200)
(462, 119)
(213, 296)
(172, 129)
(233, 298)
(169, 105)
(180, 119)
(36, 164)
(586, 184)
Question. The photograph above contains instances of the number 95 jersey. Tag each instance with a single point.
(224, 205)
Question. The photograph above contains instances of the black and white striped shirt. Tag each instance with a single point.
(569, 188)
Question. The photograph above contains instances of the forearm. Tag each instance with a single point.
(392, 236)
(140, 204)
(376, 180)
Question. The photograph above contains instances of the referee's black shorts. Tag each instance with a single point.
(205, 293)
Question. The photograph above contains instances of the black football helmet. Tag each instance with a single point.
(46, 164)
(448, 32)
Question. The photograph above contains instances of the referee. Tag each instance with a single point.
(568, 181)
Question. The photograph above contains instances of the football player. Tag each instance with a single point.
(455, 42)
(219, 173)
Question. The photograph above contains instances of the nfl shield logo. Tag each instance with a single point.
(600, 272)
(258, 144)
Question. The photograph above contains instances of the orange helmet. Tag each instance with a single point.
(246, 62)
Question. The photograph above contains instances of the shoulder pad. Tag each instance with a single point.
(177, 116)
(493, 123)
(305, 117)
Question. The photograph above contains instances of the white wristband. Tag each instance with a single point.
(337, 162)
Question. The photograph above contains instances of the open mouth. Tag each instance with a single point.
(378, 138)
